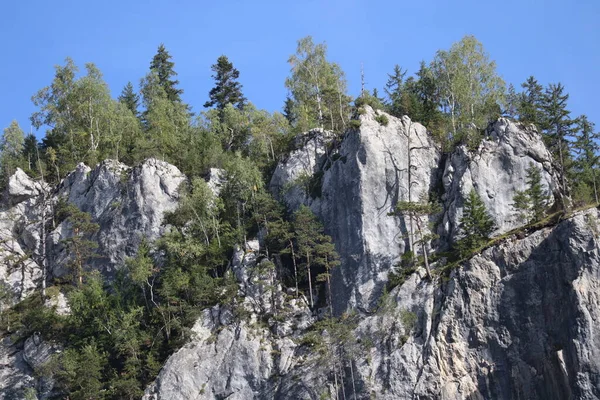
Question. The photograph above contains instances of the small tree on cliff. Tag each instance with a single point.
(314, 246)
(532, 202)
(78, 245)
(476, 223)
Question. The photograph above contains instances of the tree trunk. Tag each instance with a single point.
(295, 267)
(425, 257)
(309, 279)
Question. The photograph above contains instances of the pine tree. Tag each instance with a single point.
(289, 110)
(163, 67)
(11, 151)
(558, 127)
(394, 88)
(30, 149)
(130, 99)
(416, 211)
(532, 202)
(476, 224)
(529, 104)
(79, 245)
(314, 246)
(227, 89)
(587, 149)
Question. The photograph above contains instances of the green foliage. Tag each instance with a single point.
(470, 89)
(81, 372)
(227, 89)
(532, 203)
(587, 149)
(476, 224)
(163, 68)
(529, 103)
(78, 244)
(317, 88)
(382, 119)
(315, 249)
(354, 124)
(558, 127)
(11, 152)
(371, 100)
(130, 99)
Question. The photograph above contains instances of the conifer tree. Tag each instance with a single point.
(532, 202)
(529, 105)
(558, 127)
(314, 246)
(476, 224)
(130, 99)
(11, 150)
(163, 67)
(30, 150)
(227, 89)
(587, 149)
(79, 245)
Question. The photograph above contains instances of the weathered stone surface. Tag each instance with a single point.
(497, 170)
(361, 184)
(517, 321)
(127, 203)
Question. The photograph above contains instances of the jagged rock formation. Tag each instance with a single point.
(127, 203)
(359, 184)
(496, 171)
(517, 320)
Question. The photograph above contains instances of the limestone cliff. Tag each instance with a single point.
(516, 321)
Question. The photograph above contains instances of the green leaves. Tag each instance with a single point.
(532, 202)
(317, 88)
(227, 89)
(476, 224)
(469, 86)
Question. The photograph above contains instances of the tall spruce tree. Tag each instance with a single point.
(529, 105)
(130, 99)
(163, 67)
(532, 202)
(227, 89)
(476, 223)
(587, 149)
(558, 127)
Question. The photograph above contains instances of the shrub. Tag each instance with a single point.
(354, 124)
(382, 119)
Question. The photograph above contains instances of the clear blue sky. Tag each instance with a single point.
(552, 40)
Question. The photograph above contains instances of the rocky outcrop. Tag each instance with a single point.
(238, 349)
(127, 203)
(360, 182)
(516, 321)
(496, 171)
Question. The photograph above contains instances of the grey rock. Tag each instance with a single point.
(497, 170)
(361, 184)
(517, 321)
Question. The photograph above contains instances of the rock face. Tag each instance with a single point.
(360, 183)
(496, 171)
(127, 203)
(517, 321)
(232, 358)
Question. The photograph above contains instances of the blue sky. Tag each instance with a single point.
(552, 40)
